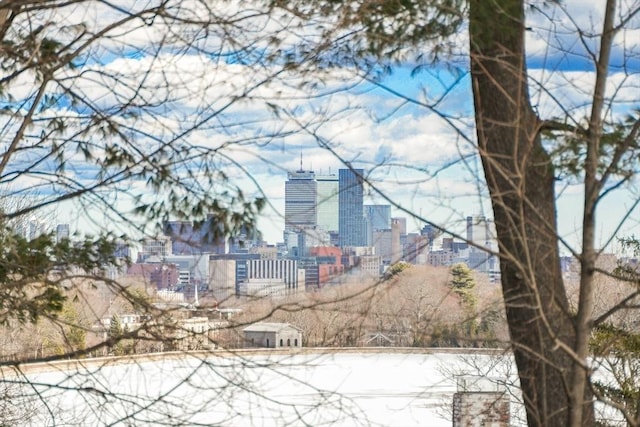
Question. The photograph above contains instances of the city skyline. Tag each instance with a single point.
(153, 208)
(424, 160)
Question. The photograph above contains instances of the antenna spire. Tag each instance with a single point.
(301, 162)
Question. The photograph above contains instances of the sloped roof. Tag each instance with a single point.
(378, 336)
(269, 327)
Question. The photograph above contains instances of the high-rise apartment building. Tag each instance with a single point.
(351, 222)
(300, 201)
(327, 195)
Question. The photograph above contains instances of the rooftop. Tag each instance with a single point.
(268, 327)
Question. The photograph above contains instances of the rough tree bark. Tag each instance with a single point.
(520, 178)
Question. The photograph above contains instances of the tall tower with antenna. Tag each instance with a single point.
(300, 200)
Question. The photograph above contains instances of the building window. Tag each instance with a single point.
(288, 342)
(267, 342)
(295, 342)
(281, 343)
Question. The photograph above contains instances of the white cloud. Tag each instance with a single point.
(193, 82)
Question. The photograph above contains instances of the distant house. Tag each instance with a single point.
(192, 333)
(378, 339)
(272, 335)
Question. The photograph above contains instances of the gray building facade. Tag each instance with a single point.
(351, 221)
(272, 335)
(300, 201)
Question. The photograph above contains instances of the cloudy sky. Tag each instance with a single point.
(212, 89)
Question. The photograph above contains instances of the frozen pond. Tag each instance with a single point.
(380, 388)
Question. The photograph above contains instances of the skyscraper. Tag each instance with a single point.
(327, 201)
(189, 238)
(351, 224)
(478, 230)
(398, 225)
(402, 224)
(378, 218)
(62, 232)
(300, 201)
(480, 233)
(30, 228)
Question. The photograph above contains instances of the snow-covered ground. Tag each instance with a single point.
(263, 389)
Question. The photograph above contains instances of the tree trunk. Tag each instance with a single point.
(520, 178)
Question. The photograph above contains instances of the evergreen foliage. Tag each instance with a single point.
(73, 329)
(33, 272)
(463, 284)
(618, 353)
(115, 327)
(397, 268)
(116, 331)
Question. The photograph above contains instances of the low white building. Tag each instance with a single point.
(272, 335)
(170, 296)
(262, 288)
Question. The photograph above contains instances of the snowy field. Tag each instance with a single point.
(255, 389)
